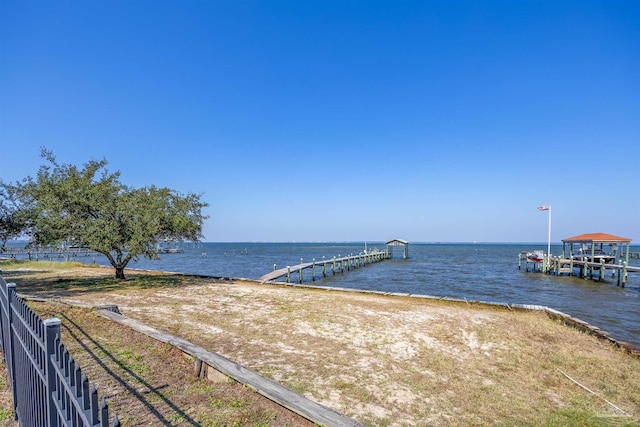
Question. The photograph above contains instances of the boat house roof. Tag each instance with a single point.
(396, 242)
(596, 238)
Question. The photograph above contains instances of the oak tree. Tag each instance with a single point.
(89, 206)
(13, 219)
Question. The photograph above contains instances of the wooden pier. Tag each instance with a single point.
(580, 267)
(36, 254)
(326, 266)
(591, 270)
(586, 252)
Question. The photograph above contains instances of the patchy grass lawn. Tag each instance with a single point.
(382, 360)
(147, 382)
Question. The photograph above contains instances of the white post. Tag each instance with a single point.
(549, 238)
(548, 257)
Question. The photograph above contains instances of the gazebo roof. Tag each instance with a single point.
(397, 242)
(596, 238)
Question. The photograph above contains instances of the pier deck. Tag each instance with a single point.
(585, 268)
(334, 265)
(36, 254)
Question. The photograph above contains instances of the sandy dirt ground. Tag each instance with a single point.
(388, 360)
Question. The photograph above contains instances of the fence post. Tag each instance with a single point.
(52, 331)
(9, 357)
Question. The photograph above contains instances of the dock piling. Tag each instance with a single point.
(349, 262)
(587, 268)
(300, 272)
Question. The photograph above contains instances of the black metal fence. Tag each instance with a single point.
(49, 388)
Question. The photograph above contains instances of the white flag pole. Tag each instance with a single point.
(549, 237)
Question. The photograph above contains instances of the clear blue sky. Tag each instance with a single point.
(340, 120)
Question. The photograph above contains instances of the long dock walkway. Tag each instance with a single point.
(333, 265)
(47, 253)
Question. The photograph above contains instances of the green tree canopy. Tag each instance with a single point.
(91, 207)
(13, 219)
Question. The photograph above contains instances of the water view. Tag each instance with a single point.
(481, 272)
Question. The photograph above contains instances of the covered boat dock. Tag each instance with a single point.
(594, 254)
(398, 242)
(591, 247)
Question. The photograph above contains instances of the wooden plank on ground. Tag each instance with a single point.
(270, 389)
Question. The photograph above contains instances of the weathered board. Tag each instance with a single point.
(272, 390)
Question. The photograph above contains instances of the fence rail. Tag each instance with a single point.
(49, 388)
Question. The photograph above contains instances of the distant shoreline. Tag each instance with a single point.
(354, 242)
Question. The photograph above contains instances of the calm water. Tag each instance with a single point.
(483, 272)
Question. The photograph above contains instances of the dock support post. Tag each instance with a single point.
(300, 272)
(288, 274)
(333, 266)
(313, 270)
(601, 278)
(324, 267)
(571, 265)
(619, 281)
(274, 267)
(624, 273)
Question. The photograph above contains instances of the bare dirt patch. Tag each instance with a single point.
(147, 382)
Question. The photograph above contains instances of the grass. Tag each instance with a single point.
(150, 382)
(49, 278)
(6, 398)
(382, 360)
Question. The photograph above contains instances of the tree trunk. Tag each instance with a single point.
(119, 272)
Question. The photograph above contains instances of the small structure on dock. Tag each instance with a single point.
(591, 247)
(398, 242)
(593, 254)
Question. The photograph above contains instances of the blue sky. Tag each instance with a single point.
(340, 120)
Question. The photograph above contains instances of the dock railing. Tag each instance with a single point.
(596, 270)
(339, 264)
(49, 388)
